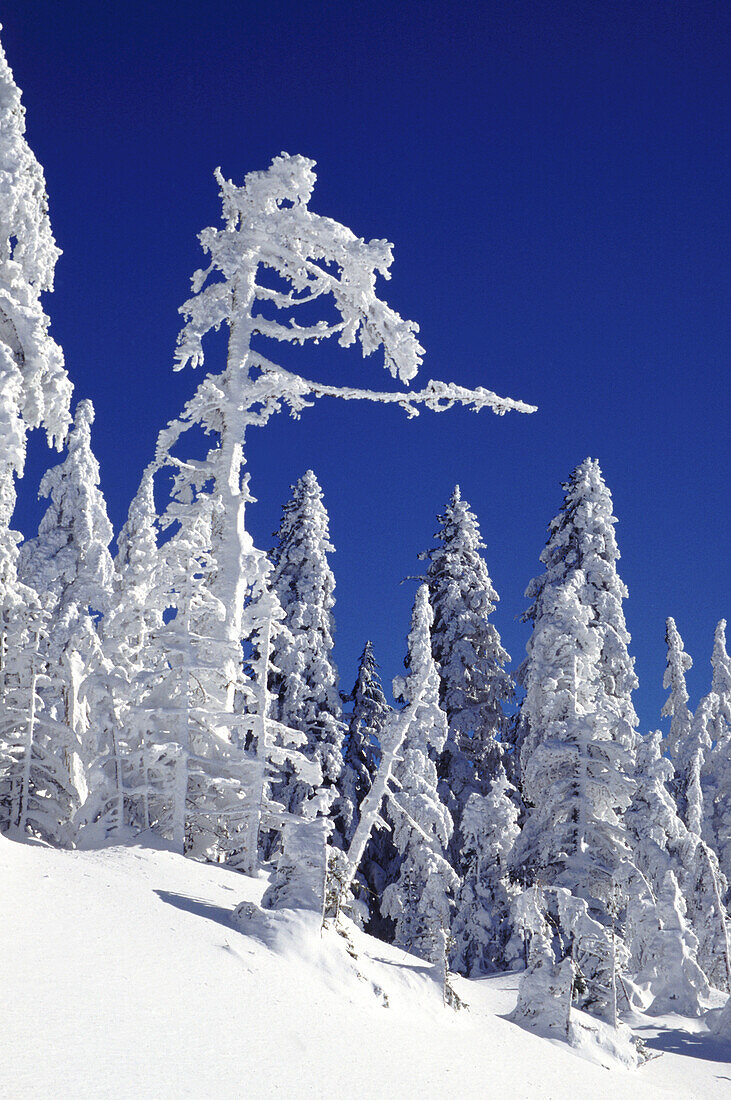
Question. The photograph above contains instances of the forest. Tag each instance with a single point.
(174, 680)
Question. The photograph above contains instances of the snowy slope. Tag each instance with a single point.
(122, 976)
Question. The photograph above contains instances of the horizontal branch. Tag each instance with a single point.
(436, 396)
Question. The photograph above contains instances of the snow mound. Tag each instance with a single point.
(127, 974)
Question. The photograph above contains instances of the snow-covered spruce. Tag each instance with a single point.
(676, 704)
(716, 776)
(368, 714)
(69, 564)
(575, 778)
(582, 541)
(35, 390)
(419, 900)
(482, 928)
(305, 685)
(470, 657)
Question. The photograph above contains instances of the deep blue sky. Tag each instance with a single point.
(554, 177)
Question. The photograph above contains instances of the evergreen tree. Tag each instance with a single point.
(474, 686)
(575, 779)
(365, 730)
(34, 388)
(716, 778)
(306, 685)
(482, 931)
(70, 565)
(582, 544)
(419, 900)
(676, 705)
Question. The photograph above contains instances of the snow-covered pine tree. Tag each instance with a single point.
(124, 771)
(676, 705)
(582, 542)
(419, 900)
(661, 842)
(70, 566)
(482, 928)
(676, 981)
(716, 778)
(365, 730)
(35, 390)
(575, 776)
(470, 656)
(652, 819)
(305, 687)
(37, 794)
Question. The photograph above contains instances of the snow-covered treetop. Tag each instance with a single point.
(721, 685)
(267, 223)
(676, 705)
(421, 684)
(25, 228)
(28, 255)
(69, 561)
(581, 542)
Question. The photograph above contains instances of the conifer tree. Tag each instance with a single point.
(482, 930)
(273, 257)
(716, 778)
(365, 731)
(419, 900)
(34, 388)
(676, 705)
(582, 544)
(70, 565)
(474, 686)
(306, 685)
(575, 779)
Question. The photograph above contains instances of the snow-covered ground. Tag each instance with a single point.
(123, 976)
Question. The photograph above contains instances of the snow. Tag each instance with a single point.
(124, 976)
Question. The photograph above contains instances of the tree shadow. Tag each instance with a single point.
(414, 969)
(216, 913)
(688, 1044)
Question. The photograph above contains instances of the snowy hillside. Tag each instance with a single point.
(123, 976)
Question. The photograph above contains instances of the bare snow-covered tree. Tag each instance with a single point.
(272, 258)
(305, 685)
(470, 656)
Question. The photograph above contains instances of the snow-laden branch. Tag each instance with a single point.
(436, 396)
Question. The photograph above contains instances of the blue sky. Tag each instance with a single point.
(554, 177)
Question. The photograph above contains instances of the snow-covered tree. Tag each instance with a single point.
(575, 776)
(70, 566)
(272, 258)
(716, 778)
(38, 796)
(652, 819)
(365, 732)
(419, 900)
(582, 544)
(123, 770)
(305, 687)
(34, 388)
(470, 656)
(482, 930)
(676, 981)
(676, 705)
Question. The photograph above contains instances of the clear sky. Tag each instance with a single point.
(554, 177)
